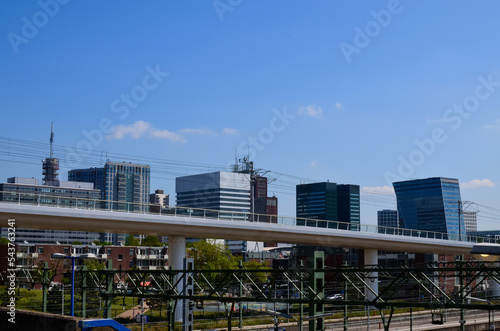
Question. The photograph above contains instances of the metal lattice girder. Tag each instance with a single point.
(398, 287)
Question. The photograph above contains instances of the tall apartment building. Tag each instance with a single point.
(123, 186)
(430, 204)
(227, 192)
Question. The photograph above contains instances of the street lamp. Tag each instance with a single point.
(73, 258)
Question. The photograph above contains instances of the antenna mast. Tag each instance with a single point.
(51, 140)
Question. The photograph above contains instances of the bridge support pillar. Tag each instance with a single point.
(176, 256)
(493, 285)
(371, 279)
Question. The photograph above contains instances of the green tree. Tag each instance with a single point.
(76, 243)
(212, 256)
(132, 240)
(4, 241)
(260, 277)
(151, 241)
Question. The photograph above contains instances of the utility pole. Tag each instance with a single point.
(462, 206)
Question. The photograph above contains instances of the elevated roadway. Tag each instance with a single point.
(367, 237)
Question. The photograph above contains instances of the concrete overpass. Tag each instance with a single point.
(368, 237)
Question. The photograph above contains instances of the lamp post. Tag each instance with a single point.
(73, 258)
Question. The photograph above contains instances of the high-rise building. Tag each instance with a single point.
(470, 221)
(330, 202)
(159, 198)
(388, 218)
(317, 201)
(60, 193)
(431, 204)
(227, 192)
(123, 186)
(348, 208)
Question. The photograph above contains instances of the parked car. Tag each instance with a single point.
(336, 296)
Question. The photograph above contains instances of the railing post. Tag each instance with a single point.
(19, 199)
(39, 199)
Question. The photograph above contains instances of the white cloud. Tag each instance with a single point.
(494, 126)
(165, 134)
(378, 189)
(201, 131)
(230, 131)
(313, 163)
(311, 110)
(477, 183)
(338, 105)
(136, 130)
(140, 129)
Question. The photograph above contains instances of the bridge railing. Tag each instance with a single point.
(62, 201)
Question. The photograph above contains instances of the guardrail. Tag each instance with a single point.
(61, 201)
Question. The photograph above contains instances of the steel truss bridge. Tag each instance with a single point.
(426, 286)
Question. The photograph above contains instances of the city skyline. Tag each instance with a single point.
(358, 93)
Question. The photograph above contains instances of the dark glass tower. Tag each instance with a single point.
(317, 201)
(348, 205)
(431, 204)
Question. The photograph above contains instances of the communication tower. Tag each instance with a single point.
(51, 164)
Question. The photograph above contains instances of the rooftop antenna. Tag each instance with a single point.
(51, 140)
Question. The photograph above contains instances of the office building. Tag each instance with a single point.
(470, 221)
(123, 186)
(348, 208)
(431, 204)
(326, 201)
(60, 193)
(227, 192)
(388, 218)
(317, 201)
(330, 202)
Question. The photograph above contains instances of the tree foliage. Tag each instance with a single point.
(131, 240)
(151, 241)
(212, 256)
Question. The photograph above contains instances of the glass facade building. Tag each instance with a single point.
(222, 191)
(317, 201)
(123, 186)
(330, 202)
(432, 204)
(127, 185)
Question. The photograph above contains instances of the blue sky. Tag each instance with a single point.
(359, 92)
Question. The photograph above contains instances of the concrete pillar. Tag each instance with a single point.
(371, 259)
(176, 255)
(493, 285)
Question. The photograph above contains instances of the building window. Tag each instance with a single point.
(108, 251)
(40, 250)
(131, 252)
(66, 250)
(120, 257)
